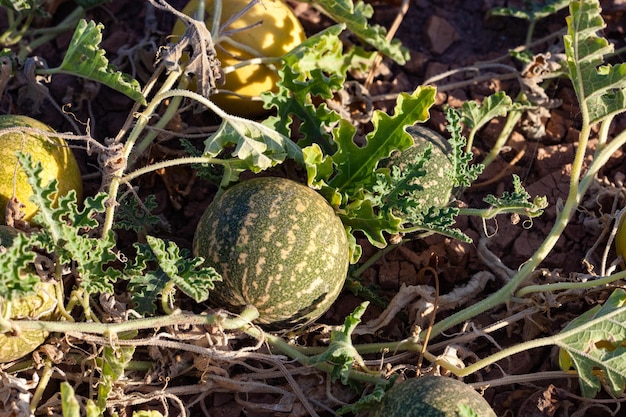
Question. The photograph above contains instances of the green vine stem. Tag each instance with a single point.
(174, 162)
(573, 199)
(47, 34)
(296, 353)
(556, 339)
(219, 318)
(12, 35)
(147, 140)
(164, 93)
(142, 121)
(217, 17)
(539, 203)
(167, 295)
(410, 344)
(511, 120)
(578, 187)
(559, 286)
(374, 258)
(48, 370)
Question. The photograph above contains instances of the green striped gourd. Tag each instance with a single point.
(432, 396)
(438, 181)
(279, 247)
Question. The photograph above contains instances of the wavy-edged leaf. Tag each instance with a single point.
(136, 215)
(65, 228)
(341, 353)
(356, 165)
(315, 68)
(16, 279)
(600, 88)
(85, 58)
(144, 283)
(435, 219)
(464, 173)
(477, 115)
(516, 201)
(355, 16)
(319, 169)
(364, 218)
(595, 343)
(174, 266)
(186, 273)
(370, 399)
(395, 188)
(324, 51)
(258, 146)
(115, 359)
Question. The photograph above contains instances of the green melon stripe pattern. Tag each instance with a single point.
(279, 246)
(431, 396)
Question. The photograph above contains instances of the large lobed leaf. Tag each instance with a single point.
(356, 165)
(346, 178)
(174, 266)
(601, 88)
(65, 230)
(15, 264)
(595, 344)
(476, 115)
(314, 69)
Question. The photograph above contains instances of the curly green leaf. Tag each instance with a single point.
(85, 58)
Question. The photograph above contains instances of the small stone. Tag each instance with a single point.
(440, 33)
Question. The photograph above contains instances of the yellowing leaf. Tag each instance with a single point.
(595, 344)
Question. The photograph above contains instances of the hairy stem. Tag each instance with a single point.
(142, 121)
(504, 294)
(217, 319)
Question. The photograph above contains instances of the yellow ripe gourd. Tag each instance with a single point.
(269, 28)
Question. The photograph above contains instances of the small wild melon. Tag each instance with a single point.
(432, 396)
(279, 247)
(438, 182)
